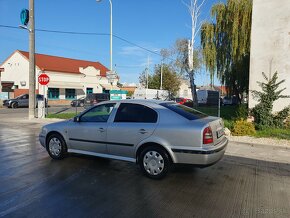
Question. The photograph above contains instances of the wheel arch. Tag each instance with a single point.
(12, 103)
(51, 133)
(159, 145)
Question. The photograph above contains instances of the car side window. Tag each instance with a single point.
(135, 113)
(99, 113)
(24, 97)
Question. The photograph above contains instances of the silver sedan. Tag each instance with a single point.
(154, 134)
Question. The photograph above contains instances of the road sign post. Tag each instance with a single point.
(43, 79)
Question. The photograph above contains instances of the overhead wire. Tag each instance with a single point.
(89, 33)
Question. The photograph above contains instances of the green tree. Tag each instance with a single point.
(262, 112)
(170, 81)
(143, 78)
(226, 44)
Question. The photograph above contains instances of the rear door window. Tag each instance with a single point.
(135, 113)
(186, 112)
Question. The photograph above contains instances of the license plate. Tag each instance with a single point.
(220, 133)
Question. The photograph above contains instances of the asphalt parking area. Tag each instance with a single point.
(34, 185)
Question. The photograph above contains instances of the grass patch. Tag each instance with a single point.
(227, 112)
(62, 115)
(273, 133)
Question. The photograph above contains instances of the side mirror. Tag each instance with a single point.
(76, 119)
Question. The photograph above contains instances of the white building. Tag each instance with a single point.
(270, 46)
(69, 78)
(143, 93)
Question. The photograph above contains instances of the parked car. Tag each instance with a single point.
(230, 100)
(78, 102)
(227, 101)
(183, 100)
(152, 133)
(22, 101)
(95, 98)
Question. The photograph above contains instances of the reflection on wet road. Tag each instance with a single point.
(34, 185)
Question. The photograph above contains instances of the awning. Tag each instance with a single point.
(109, 87)
(65, 85)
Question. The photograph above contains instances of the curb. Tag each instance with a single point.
(33, 121)
(250, 144)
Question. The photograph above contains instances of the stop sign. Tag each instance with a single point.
(43, 79)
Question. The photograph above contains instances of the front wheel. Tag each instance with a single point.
(154, 162)
(56, 146)
(14, 105)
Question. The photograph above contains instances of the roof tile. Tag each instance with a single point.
(66, 65)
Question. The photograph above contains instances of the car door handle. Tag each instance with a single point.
(142, 131)
(101, 129)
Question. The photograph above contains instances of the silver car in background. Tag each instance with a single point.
(152, 133)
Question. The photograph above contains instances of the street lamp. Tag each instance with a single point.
(111, 35)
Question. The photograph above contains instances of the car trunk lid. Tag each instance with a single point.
(217, 127)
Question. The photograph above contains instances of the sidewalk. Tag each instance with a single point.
(260, 141)
(30, 121)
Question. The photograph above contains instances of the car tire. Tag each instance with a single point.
(154, 162)
(81, 104)
(56, 146)
(14, 105)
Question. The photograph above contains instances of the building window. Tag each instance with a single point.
(53, 93)
(89, 90)
(70, 93)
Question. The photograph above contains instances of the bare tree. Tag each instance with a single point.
(194, 8)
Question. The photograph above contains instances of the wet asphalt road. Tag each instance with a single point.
(33, 185)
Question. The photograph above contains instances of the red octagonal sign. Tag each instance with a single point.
(43, 79)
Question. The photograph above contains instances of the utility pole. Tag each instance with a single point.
(111, 35)
(147, 75)
(161, 74)
(31, 113)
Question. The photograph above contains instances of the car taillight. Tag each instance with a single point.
(207, 136)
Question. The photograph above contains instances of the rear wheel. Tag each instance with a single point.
(154, 162)
(56, 146)
(14, 105)
(81, 104)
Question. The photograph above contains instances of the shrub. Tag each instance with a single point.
(229, 124)
(242, 127)
(242, 111)
(287, 123)
(262, 112)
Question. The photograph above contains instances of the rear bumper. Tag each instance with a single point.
(203, 157)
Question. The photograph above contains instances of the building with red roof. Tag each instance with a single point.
(69, 78)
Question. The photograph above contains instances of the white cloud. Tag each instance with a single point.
(132, 50)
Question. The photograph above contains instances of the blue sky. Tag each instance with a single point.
(153, 24)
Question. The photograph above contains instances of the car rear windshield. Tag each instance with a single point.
(187, 112)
